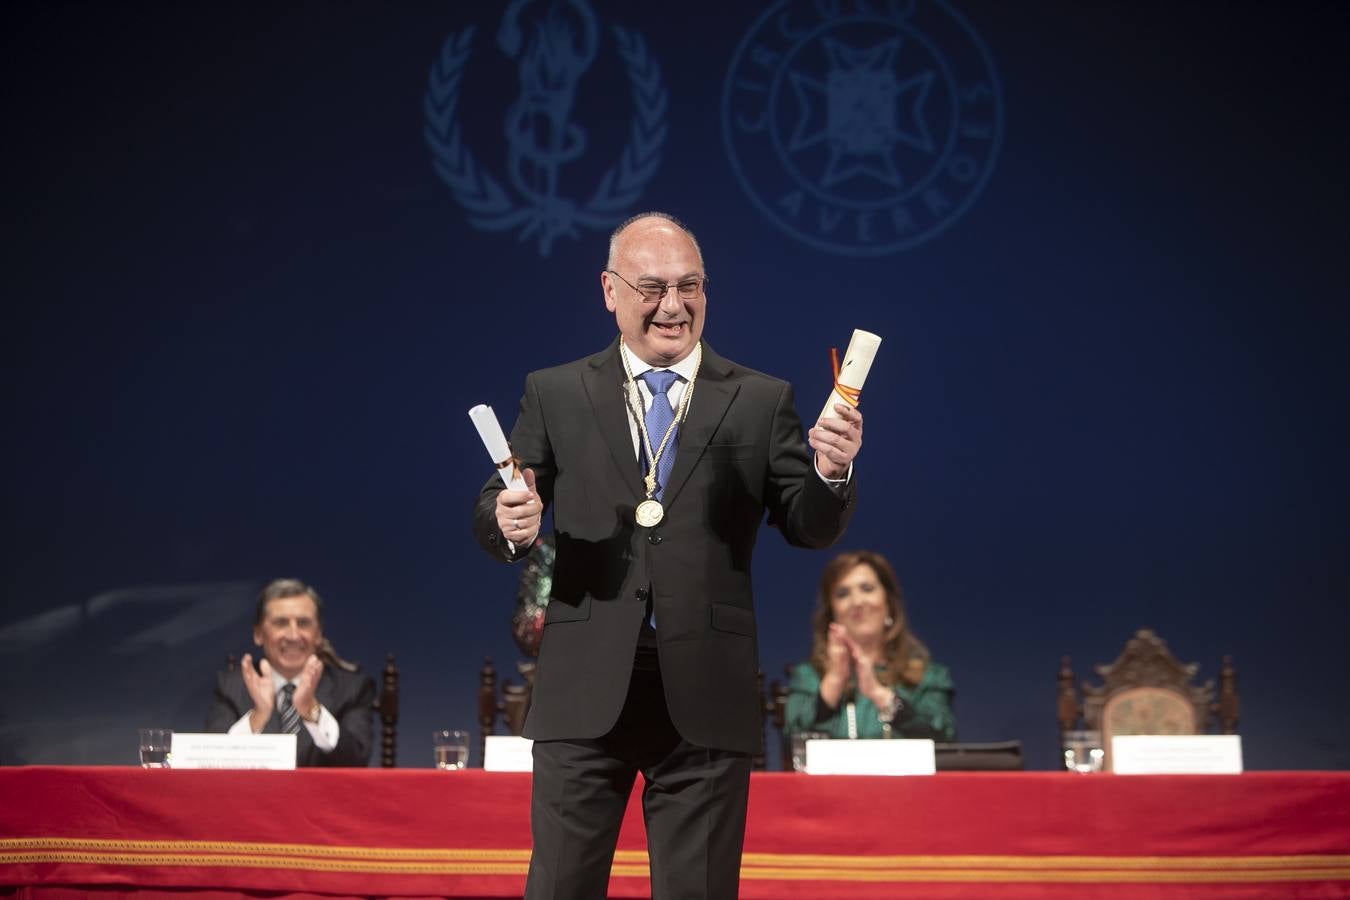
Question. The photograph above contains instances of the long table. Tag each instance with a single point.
(104, 831)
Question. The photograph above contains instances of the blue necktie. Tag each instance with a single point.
(290, 716)
(657, 420)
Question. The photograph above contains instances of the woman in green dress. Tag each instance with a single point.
(869, 676)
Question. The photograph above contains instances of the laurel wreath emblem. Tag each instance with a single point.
(491, 207)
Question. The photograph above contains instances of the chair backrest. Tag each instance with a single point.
(386, 707)
(1148, 691)
(511, 706)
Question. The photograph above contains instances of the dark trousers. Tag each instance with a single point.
(693, 804)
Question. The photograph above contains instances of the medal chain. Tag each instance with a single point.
(649, 480)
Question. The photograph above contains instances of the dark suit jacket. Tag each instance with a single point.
(347, 695)
(740, 453)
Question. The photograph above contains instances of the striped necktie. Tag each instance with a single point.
(290, 718)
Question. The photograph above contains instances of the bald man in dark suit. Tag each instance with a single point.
(648, 661)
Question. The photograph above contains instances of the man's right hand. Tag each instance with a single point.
(259, 688)
(519, 512)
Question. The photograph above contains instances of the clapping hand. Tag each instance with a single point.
(259, 687)
(839, 649)
(305, 683)
(845, 657)
(258, 683)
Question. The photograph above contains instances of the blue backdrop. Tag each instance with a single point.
(261, 259)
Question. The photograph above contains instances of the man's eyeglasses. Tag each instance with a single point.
(652, 290)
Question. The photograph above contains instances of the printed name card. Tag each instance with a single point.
(227, 751)
(872, 757)
(1176, 754)
(507, 753)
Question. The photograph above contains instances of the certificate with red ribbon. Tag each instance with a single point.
(852, 372)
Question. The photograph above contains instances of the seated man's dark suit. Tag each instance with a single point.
(347, 695)
(740, 454)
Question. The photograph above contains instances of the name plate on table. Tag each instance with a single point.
(871, 757)
(229, 751)
(507, 753)
(1176, 754)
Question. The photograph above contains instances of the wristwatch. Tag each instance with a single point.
(315, 710)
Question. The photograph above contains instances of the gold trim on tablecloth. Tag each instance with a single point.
(633, 863)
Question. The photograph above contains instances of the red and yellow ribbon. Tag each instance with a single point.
(851, 395)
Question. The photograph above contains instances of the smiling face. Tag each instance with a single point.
(288, 633)
(655, 249)
(859, 603)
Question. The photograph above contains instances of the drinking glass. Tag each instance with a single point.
(798, 747)
(1083, 751)
(451, 749)
(156, 744)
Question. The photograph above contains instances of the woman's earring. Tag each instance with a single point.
(889, 621)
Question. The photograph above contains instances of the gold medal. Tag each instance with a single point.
(649, 513)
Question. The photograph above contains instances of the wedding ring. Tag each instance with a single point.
(515, 523)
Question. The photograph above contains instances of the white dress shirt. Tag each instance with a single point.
(685, 368)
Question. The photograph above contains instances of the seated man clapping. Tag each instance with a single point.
(291, 690)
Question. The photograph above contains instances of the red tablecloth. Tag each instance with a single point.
(466, 834)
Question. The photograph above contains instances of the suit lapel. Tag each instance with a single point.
(713, 392)
(604, 382)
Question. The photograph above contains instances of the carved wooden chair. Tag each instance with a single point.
(511, 706)
(386, 707)
(385, 704)
(1147, 691)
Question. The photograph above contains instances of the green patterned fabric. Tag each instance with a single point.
(930, 702)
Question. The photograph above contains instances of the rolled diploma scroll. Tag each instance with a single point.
(490, 430)
(862, 349)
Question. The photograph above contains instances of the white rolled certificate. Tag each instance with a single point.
(862, 349)
(490, 430)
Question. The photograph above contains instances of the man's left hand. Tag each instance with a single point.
(305, 683)
(837, 441)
